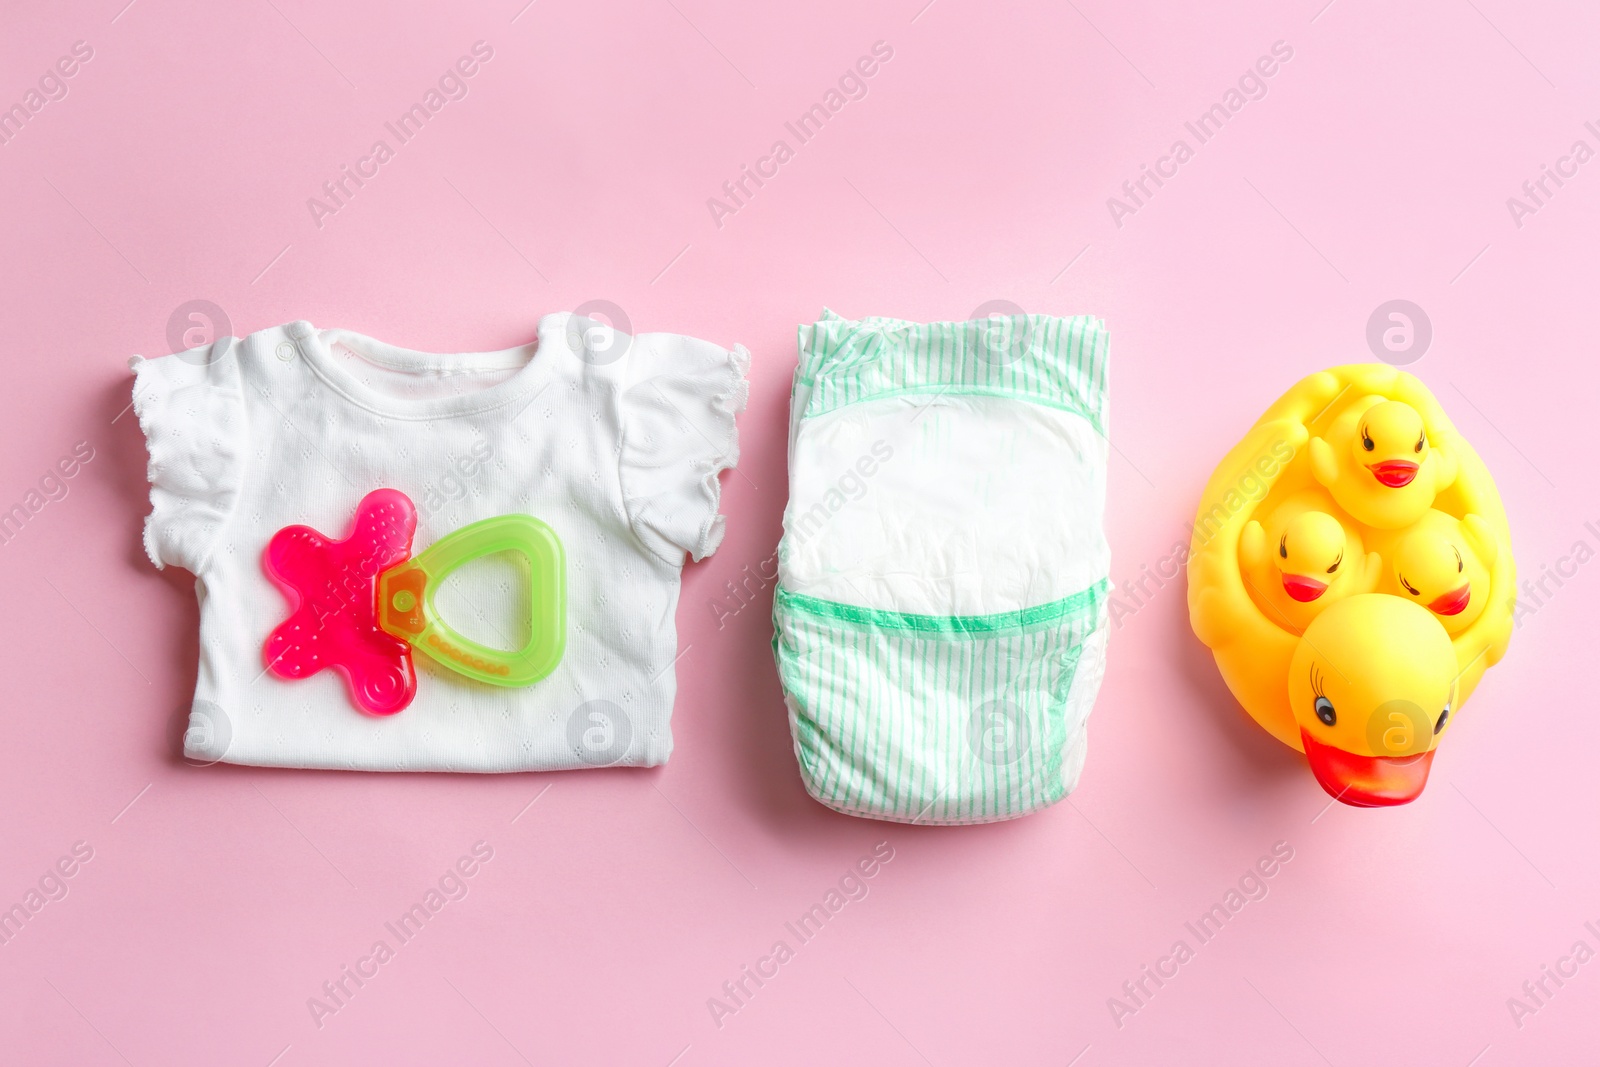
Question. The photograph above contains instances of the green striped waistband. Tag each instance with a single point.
(1043, 359)
(1088, 600)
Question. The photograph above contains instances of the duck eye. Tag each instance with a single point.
(1460, 566)
(1422, 439)
(1336, 563)
(1324, 709)
(1408, 587)
(1366, 440)
(1283, 546)
(1444, 717)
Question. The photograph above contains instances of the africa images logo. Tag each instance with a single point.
(452, 85)
(737, 192)
(1251, 85)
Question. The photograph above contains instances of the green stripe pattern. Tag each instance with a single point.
(1041, 359)
(943, 719)
(933, 726)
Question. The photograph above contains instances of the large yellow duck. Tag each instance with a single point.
(1364, 683)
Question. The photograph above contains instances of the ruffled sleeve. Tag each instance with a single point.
(191, 409)
(678, 433)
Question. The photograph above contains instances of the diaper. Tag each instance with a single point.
(940, 612)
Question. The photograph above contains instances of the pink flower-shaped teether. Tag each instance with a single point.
(332, 588)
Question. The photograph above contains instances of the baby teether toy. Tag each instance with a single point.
(1350, 570)
(361, 605)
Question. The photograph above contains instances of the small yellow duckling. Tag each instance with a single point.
(1303, 559)
(1388, 473)
(1443, 564)
(1371, 686)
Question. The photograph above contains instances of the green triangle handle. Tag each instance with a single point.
(406, 609)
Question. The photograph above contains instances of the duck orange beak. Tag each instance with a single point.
(1394, 473)
(1453, 602)
(1302, 588)
(1367, 781)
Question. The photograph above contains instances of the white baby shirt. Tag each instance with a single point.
(613, 441)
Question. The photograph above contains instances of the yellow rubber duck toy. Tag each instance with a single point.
(1303, 559)
(1348, 706)
(1442, 563)
(1379, 464)
(1368, 686)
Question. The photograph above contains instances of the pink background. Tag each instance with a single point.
(978, 166)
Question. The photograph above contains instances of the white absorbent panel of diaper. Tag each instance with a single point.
(955, 505)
